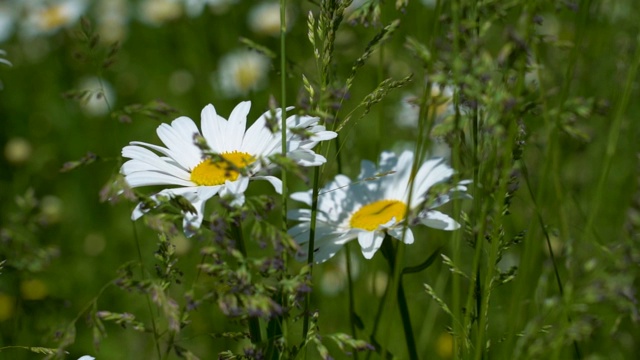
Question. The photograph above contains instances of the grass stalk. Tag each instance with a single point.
(254, 323)
(143, 275)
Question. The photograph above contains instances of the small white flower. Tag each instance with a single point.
(112, 20)
(101, 96)
(86, 357)
(369, 209)
(8, 15)
(264, 18)
(241, 72)
(158, 12)
(195, 7)
(198, 178)
(46, 18)
(440, 104)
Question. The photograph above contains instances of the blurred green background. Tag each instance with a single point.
(62, 244)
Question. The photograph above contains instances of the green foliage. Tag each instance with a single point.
(533, 101)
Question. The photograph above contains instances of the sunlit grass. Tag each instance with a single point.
(533, 101)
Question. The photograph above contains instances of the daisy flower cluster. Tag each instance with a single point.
(383, 200)
(241, 155)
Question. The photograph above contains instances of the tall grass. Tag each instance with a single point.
(540, 122)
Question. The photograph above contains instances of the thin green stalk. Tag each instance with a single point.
(254, 323)
(143, 275)
(310, 249)
(352, 311)
(390, 253)
(612, 143)
(283, 103)
(459, 330)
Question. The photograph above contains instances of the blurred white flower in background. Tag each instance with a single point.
(240, 72)
(112, 20)
(158, 12)
(7, 20)
(101, 97)
(181, 81)
(264, 18)
(17, 150)
(44, 18)
(440, 104)
(195, 7)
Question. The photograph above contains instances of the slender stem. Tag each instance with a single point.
(254, 323)
(311, 248)
(283, 104)
(142, 274)
(389, 252)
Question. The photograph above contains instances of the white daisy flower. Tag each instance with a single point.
(440, 106)
(241, 72)
(101, 96)
(8, 15)
(112, 20)
(369, 209)
(46, 18)
(198, 178)
(264, 18)
(158, 12)
(195, 7)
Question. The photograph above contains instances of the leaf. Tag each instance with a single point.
(424, 265)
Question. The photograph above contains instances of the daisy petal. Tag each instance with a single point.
(438, 220)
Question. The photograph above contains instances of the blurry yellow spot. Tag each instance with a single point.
(210, 173)
(53, 17)
(7, 306)
(371, 216)
(444, 346)
(33, 289)
(94, 244)
(181, 243)
(248, 76)
(378, 283)
(17, 150)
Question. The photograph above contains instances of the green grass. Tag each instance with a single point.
(545, 265)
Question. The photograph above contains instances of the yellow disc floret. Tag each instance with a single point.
(215, 172)
(371, 216)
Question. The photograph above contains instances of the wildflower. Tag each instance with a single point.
(240, 156)
(86, 357)
(241, 72)
(112, 20)
(18, 150)
(264, 18)
(376, 205)
(195, 7)
(49, 18)
(440, 104)
(158, 12)
(101, 96)
(8, 14)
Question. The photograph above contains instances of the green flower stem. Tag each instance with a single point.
(312, 236)
(254, 323)
(352, 311)
(156, 336)
(283, 103)
(390, 253)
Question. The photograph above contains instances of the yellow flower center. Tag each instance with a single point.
(247, 76)
(216, 172)
(371, 216)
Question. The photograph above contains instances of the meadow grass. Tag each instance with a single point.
(530, 102)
